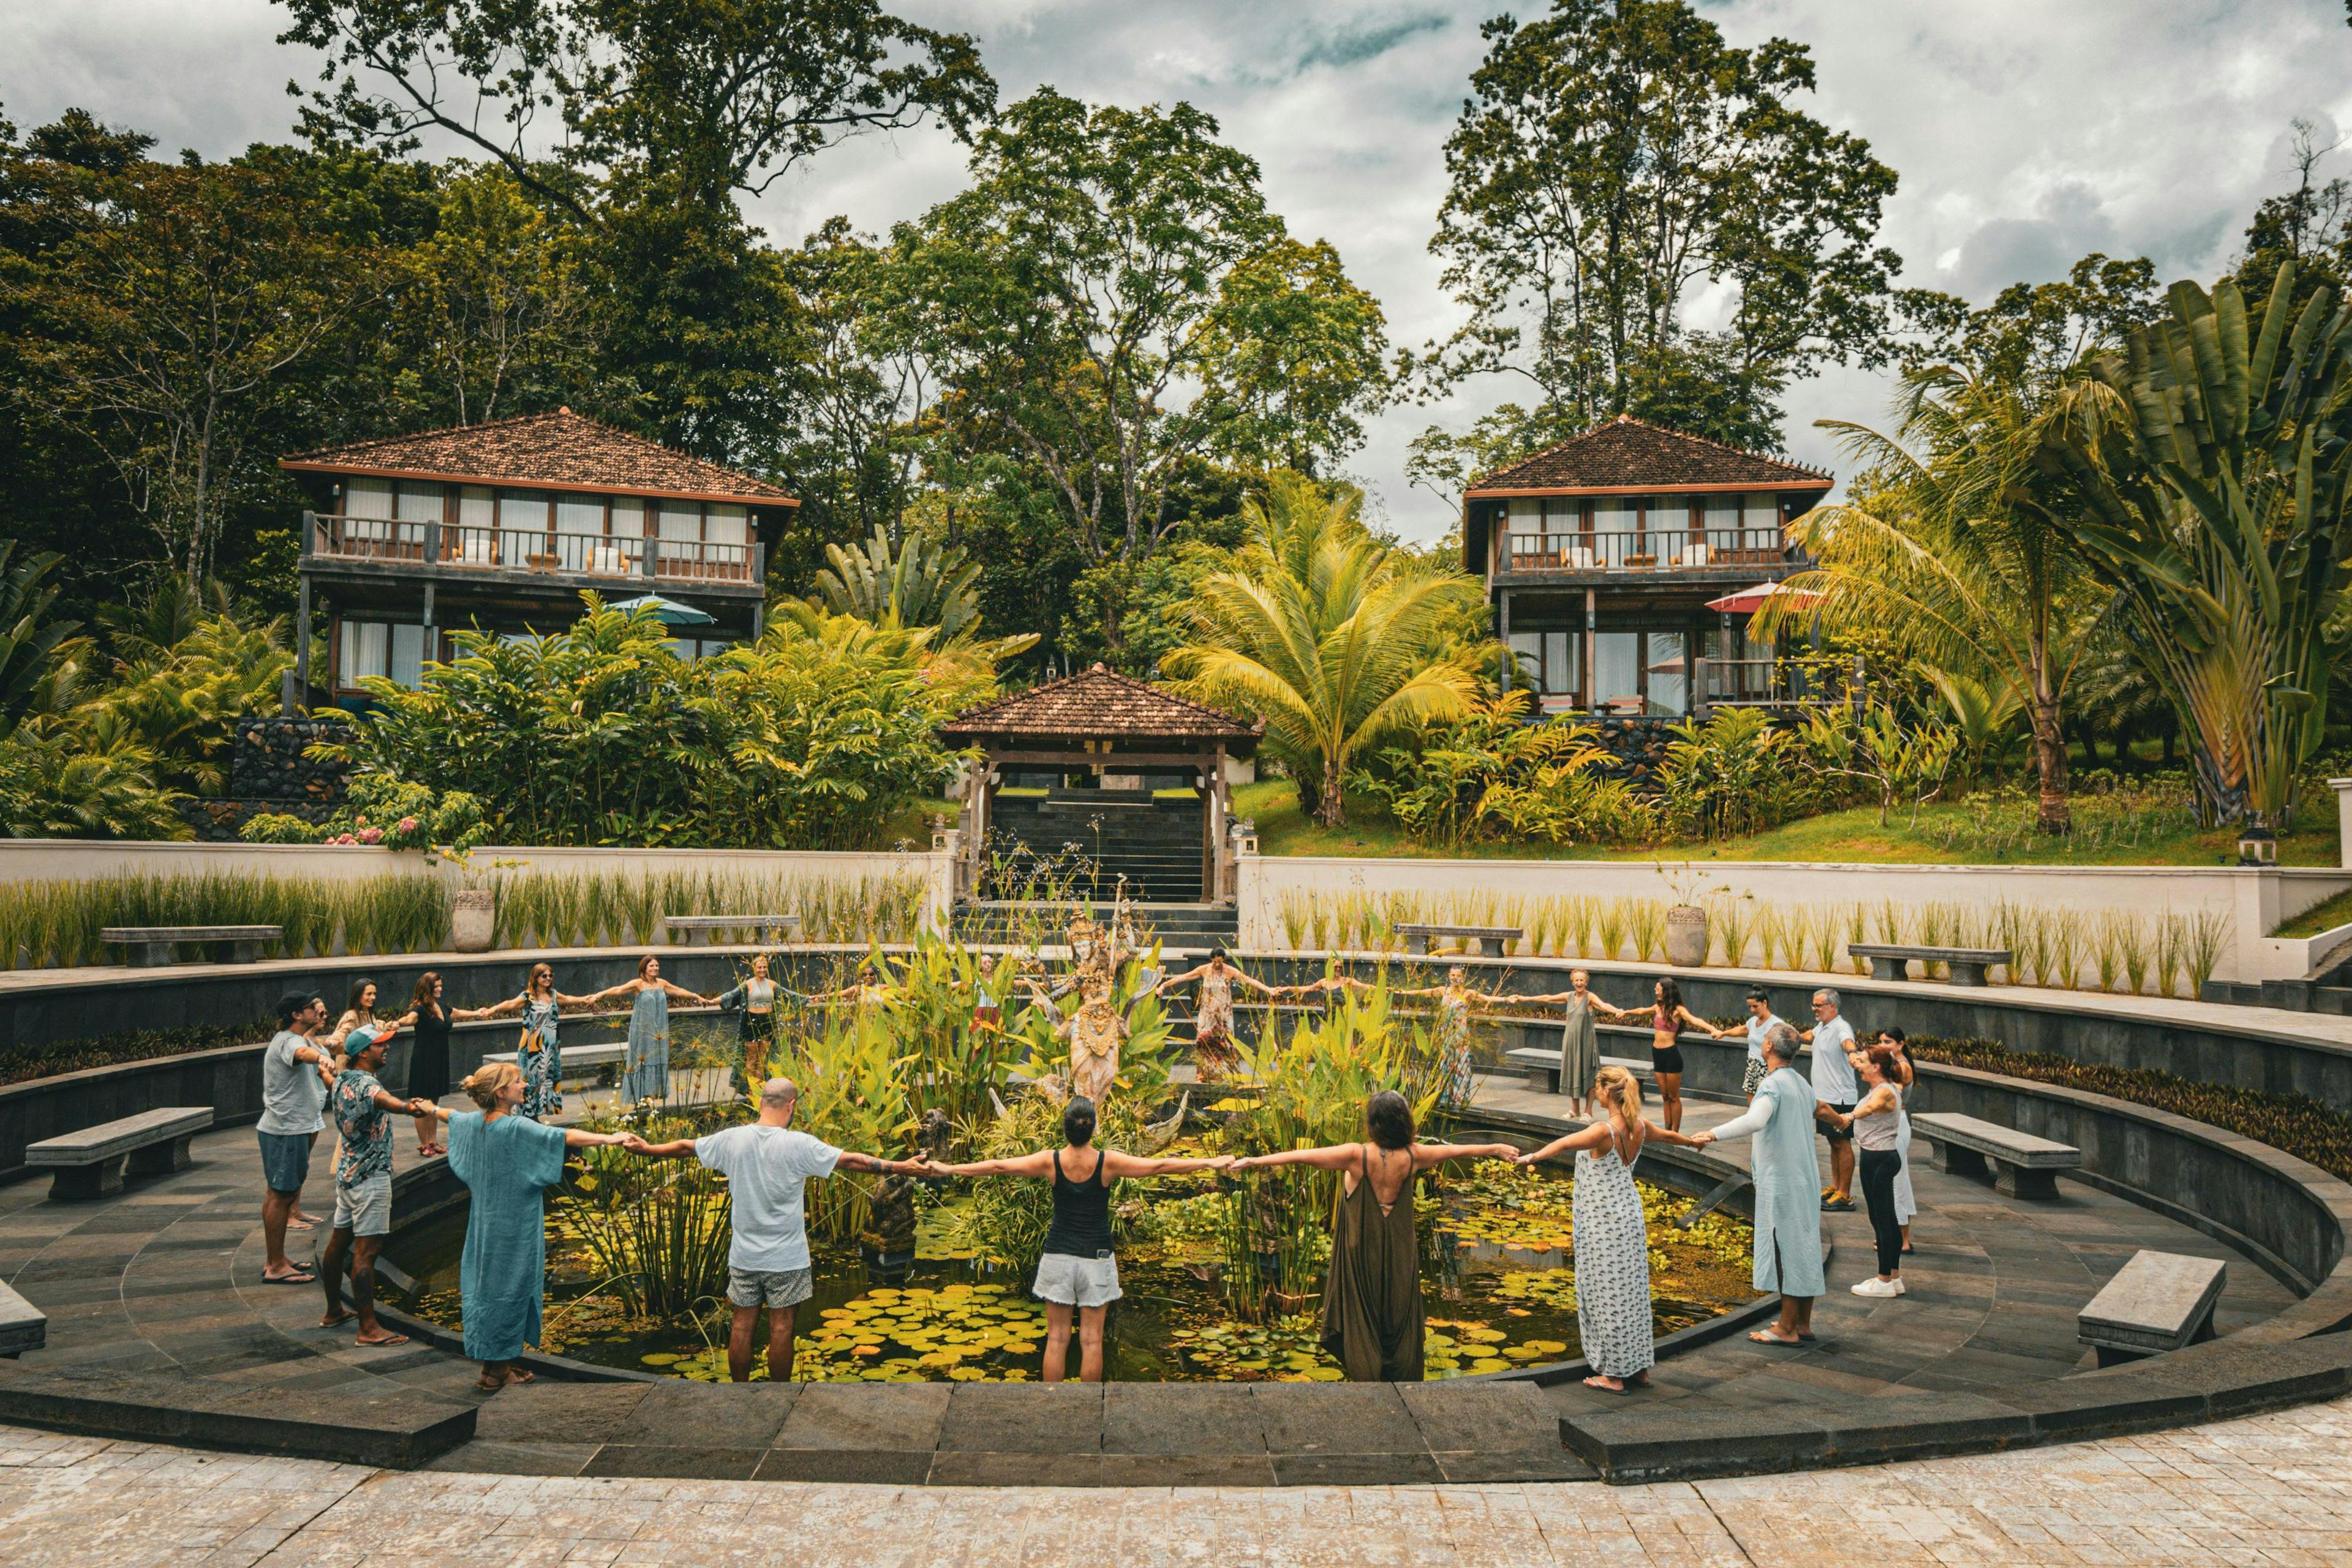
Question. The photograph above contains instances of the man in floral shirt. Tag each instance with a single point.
(362, 1110)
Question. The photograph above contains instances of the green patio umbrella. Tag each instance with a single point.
(669, 612)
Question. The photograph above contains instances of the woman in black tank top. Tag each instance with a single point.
(1077, 1276)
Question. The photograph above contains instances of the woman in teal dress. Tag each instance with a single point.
(507, 1161)
(647, 1074)
(537, 1053)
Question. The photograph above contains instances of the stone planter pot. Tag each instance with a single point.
(1687, 940)
(473, 916)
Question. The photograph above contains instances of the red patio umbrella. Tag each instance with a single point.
(1747, 601)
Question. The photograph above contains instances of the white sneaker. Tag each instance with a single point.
(1873, 1285)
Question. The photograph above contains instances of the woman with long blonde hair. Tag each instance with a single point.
(508, 1161)
(1612, 1241)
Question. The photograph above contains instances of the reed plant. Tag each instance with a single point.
(2171, 957)
(1298, 920)
(1615, 918)
(1646, 920)
(2136, 946)
(1733, 921)
(658, 1229)
(1857, 921)
(1824, 921)
(2067, 941)
(2205, 939)
(1772, 936)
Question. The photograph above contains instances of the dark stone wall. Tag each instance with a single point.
(268, 763)
(1637, 748)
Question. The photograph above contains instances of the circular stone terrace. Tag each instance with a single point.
(158, 1328)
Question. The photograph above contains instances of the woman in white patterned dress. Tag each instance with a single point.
(1612, 1241)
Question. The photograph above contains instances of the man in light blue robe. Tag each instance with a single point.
(1788, 1188)
(507, 1161)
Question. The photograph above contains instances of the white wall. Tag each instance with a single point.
(2255, 901)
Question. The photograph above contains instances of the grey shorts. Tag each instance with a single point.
(364, 1209)
(1753, 1078)
(771, 1288)
(285, 1159)
(1068, 1281)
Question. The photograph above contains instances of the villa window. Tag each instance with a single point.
(384, 650)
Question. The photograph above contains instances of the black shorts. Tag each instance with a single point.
(1830, 1131)
(1668, 1060)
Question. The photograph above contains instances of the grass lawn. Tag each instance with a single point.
(1946, 835)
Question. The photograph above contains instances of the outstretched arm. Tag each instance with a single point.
(1252, 983)
(1036, 1164)
(1192, 973)
(1590, 1137)
(564, 999)
(573, 1138)
(683, 995)
(874, 1164)
(1658, 1134)
(679, 1149)
(1424, 1155)
(507, 1008)
(1136, 1166)
(1332, 1157)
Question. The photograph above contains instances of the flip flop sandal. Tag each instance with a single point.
(382, 1343)
(289, 1279)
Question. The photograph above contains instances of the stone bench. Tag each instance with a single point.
(22, 1326)
(1542, 1068)
(152, 947)
(1474, 939)
(1890, 960)
(604, 1060)
(683, 928)
(90, 1164)
(2025, 1166)
(2157, 1302)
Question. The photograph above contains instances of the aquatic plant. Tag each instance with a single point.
(658, 1229)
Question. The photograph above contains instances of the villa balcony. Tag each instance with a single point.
(615, 564)
(1701, 555)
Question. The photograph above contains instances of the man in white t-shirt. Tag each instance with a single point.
(1833, 1085)
(294, 1078)
(768, 1165)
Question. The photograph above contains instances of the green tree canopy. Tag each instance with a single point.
(1615, 158)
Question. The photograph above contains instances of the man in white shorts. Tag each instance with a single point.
(767, 1165)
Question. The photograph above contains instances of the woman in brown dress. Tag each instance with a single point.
(1371, 1298)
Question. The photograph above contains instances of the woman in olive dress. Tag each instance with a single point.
(1579, 1038)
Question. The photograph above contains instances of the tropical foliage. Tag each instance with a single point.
(1495, 774)
(810, 738)
(1325, 631)
(2213, 457)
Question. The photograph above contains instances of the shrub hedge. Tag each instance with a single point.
(18, 1063)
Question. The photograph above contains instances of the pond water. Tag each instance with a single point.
(1498, 1281)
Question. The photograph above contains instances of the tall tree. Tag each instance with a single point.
(2032, 335)
(166, 318)
(649, 121)
(1964, 545)
(1616, 158)
(2215, 452)
(1075, 300)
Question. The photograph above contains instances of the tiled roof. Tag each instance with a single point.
(1103, 704)
(1629, 453)
(543, 450)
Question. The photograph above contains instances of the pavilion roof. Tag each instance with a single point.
(1100, 704)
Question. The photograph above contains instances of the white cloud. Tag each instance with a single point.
(2025, 131)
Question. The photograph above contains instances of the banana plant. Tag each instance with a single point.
(2213, 457)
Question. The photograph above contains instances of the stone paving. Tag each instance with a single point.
(2272, 1490)
(167, 1277)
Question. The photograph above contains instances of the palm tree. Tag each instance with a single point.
(2212, 452)
(30, 641)
(1326, 633)
(1965, 548)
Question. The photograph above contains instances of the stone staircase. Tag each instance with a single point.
(1099, 837)
(1189, 927)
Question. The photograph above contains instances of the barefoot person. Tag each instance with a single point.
(647, 1071)
(295, 1076)
(507, 1161)
(363, 1111)
(768, 1164)
(1078, 1273)
(1579, 1038)
(1667, 1019)
(1874, 1123)
(1613, 1240)
(1372, 1295)
(1788, 1204)
(1213, 1014)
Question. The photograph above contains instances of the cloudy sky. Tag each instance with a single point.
(2026, 131)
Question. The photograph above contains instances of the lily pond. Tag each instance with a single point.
(1498, 1281)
